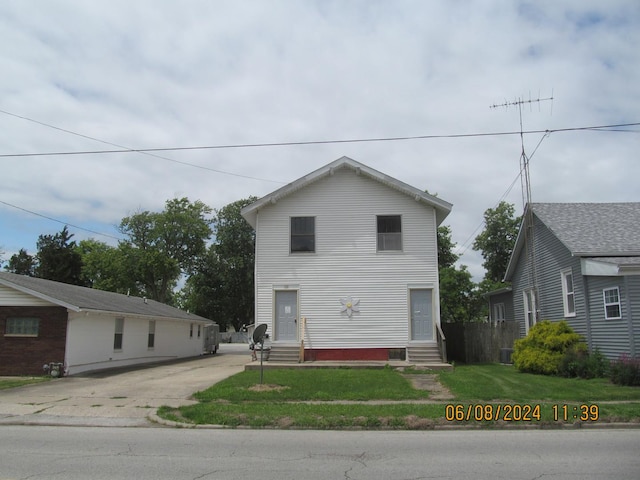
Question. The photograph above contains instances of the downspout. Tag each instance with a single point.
(632, 343)
(587, 309)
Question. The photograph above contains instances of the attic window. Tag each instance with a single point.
(22, 327)
(303, 234)
(389, 232)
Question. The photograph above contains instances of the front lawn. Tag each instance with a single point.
(372, 399)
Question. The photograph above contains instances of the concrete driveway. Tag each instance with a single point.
(121, 397)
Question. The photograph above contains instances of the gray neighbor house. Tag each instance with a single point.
(578, 262)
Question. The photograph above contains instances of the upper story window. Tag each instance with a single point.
(389, 232)
(568, 294)
(612, 310)
(303, 234)
(22, 326)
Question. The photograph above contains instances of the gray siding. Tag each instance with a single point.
(633, 290)
(346, 262)
(612, 337)
(551, 257)
(506, 299)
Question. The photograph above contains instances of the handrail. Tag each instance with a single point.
(442, 342)
(303, 325)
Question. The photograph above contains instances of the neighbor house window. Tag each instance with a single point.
(151, 341)
(529, 299)
(191, 330)
(303, 234)
(119, 332)
(498, 312)
(568, 295)
(389, 232)
(22, 326)
(612, 309)
(199, 327)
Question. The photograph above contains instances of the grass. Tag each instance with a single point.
(12, 382)
(324, 399)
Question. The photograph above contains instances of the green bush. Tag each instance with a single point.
(544, 348)
(626, 371)
(578, 362)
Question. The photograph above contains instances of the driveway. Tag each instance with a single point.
(121, 397)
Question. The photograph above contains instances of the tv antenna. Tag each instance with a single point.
(525, 181)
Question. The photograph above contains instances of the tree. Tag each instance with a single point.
(459, 299)
(105, 268)
(163, 245)
(446, 257)
(58, 259)
(222, 288)
(22, 263)
(497, 240)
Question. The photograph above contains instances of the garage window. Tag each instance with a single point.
(119, 334)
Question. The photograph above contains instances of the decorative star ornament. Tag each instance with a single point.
(349, 305)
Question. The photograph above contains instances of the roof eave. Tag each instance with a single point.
(41, 296)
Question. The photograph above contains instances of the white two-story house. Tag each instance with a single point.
(346, 264)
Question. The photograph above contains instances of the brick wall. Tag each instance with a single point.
(27, 355)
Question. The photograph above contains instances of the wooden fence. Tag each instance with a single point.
(479, 342)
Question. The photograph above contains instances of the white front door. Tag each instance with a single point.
(421, 305)
(286, 316)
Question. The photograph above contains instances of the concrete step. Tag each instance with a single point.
(284, 354)
(423, 354)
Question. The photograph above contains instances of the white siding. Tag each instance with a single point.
(346, 262)
(11, 297)
(90, 341)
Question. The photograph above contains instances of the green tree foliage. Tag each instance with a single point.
(459, 300)
(57, 258)
(497, 240)
(544, 348)
(222, 287)
(163, 245)
(105, 268)
(22, 263)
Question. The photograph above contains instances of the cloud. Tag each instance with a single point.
(161, 74)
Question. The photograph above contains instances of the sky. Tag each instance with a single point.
(80, 76)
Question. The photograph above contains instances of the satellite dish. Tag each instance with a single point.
(258, 333)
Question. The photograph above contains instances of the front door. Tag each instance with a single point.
(286, 328)
(421, 314)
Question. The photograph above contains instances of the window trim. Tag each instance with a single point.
(291, 235)
(566, 294)
(380, 235)
(497, 309)
(33, 320)
(609, 304)
(118, 335)
(530, 308)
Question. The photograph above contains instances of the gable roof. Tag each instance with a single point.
(80, 299)
(588, 229)
(442, 208)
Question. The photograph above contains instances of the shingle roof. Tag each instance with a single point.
(594, 229)
(88, 299)
(441, 207)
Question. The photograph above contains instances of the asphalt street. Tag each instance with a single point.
(174, 453)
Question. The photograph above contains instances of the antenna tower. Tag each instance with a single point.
(532, 305)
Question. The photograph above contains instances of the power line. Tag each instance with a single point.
(314, 142)
(59, 221)
(138, 151)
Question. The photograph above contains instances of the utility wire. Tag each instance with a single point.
(315, 142)
(143, 152)
(59, 221)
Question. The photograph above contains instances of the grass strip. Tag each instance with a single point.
(13, 382)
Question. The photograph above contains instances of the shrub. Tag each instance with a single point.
(626, 371)
(578, 362)
(543, 349)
